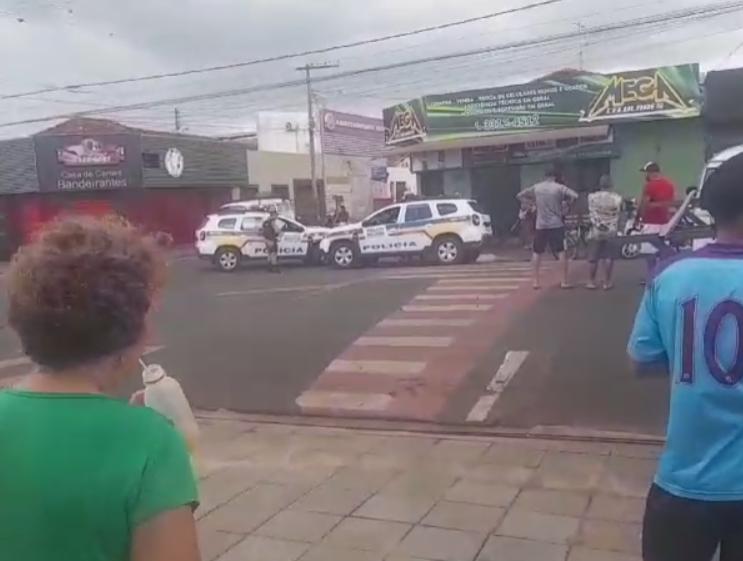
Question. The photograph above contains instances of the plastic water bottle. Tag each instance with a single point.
(165, 395)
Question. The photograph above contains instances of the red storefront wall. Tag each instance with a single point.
(176, 211)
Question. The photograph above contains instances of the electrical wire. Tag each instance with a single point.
(286, 56)
(696, 14)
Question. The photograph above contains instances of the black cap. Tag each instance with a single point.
(651, 167)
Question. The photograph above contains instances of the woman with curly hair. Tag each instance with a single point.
(85, 476)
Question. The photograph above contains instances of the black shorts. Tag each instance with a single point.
(677, 529)
(601, 249)
(552, 237)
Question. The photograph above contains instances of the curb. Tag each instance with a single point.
(555, 433)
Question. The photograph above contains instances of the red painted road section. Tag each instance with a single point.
(422, 396)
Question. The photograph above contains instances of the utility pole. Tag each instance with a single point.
(580, 45)
(177, 117)
(307, 69)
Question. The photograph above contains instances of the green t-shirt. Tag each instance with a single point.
(79, 472)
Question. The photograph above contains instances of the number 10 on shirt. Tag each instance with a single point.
(727, 376)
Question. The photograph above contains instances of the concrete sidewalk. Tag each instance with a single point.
(287, 493)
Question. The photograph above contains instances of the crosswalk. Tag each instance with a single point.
(410, 363)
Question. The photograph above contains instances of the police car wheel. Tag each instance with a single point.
(227, 259)
(448, 250)
(343, 255)
(630, 250)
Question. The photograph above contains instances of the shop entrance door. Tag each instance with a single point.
(495, 188)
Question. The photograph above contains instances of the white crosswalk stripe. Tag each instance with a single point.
(470, 287)
(431, 342)
(449, 308)
(488, 280)
(323, 400)
(457, 296)
(507, 370)
(426, 322)
(389, 367)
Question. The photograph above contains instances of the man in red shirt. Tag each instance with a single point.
(657, 203)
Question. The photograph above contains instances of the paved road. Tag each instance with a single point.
(470, 344)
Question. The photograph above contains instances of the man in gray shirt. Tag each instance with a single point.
(548, 197)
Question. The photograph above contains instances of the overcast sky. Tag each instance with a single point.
(48, 43)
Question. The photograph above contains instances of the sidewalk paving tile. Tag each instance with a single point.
(353, 477)
(420, 482)
(538, 526)
(265, 549)
(404, 446)
(396, 508)
(498, 473)
(499, 548)
(584, 554)
(300, 526)
(440, 544)
(463, 516)
(611, 536)
(332, 498)
(641, 451)
(619, 509)
(370, 535)
(458, 450)
(631, 477)
(324, 552)
(213, 543)
(570, 471)
(514, 455)
(488, 494)
(398, 557)
(222, 486)
(569, 503)
(251, 509)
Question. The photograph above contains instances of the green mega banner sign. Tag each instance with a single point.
(563, 99)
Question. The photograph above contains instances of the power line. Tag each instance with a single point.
(286, 56)
(697, 14)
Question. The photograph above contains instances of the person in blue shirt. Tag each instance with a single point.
(690, 326)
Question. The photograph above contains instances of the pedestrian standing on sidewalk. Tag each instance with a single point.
(271, 229)
(548, 198)
(604, 209)
(85, 476)
(690, 325)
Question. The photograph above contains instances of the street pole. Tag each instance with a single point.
(307, 69)
(177, 117)
(323, 169)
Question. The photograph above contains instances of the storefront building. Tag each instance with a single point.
(489, 144)
(160, 181)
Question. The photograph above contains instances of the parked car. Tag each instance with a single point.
(283, 206)
(443, 231)
(231, 239)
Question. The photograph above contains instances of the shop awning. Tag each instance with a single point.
(501, 139)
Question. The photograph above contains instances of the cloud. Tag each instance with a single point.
(108, 39)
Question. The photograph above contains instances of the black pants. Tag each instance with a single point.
(677, 529)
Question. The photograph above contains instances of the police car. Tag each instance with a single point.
(229, 239)
(443, 231)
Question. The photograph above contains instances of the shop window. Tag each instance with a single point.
(414, 213)
(151, 160)
(445, 209)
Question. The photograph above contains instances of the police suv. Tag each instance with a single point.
(229, 239)
(443, 231)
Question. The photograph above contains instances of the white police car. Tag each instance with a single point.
(229, 239)
(444, 231)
